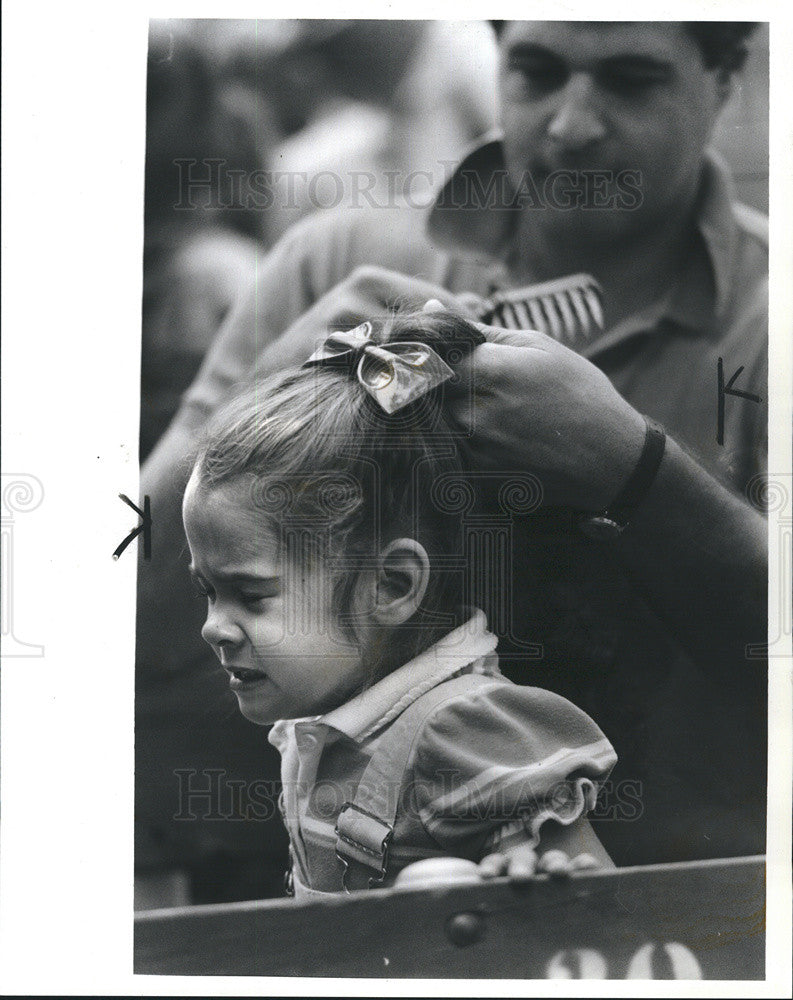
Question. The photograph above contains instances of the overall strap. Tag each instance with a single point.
(365, 826)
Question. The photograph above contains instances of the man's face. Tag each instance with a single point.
(632, 102)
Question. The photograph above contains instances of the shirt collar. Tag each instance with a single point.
(471, 216)
(378, 705)
(717, 225)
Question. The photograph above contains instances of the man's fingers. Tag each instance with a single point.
(513, 338)
(390, 288)
(432, 306)
(470, 303)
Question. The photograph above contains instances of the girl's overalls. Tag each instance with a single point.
(365, 826)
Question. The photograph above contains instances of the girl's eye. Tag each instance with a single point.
(201, 588)
(254, 600)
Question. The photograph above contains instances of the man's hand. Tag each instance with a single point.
(368, 293)
(530, 403)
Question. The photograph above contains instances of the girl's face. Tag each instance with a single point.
(268, 621)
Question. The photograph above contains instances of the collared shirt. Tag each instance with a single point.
(499, 755)
(690, 780)
(663, 358)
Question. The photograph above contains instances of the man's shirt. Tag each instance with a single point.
(663, 360)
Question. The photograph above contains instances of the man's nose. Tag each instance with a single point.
(577, 123)
(219, 628)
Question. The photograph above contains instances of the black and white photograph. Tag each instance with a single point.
(408, 427)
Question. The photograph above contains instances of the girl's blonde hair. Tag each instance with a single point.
(323, 459)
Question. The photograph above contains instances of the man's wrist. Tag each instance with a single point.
(612, 459)
(611, 521)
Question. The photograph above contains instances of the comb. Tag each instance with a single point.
(568, 309)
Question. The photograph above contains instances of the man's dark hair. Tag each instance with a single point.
(722, 43)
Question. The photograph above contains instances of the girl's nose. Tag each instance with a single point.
(576, 122)
(220, 629)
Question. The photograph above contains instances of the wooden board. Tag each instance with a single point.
(683, 921)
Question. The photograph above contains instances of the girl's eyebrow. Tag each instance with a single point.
(237, 577)
(249, 578)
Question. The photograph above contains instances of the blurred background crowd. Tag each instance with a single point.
(259, 108)
(250, 125)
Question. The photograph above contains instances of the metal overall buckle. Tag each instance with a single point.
(363, 840)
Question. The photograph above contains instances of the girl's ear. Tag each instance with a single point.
(403, 573)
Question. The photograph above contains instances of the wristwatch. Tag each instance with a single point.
(612, 521)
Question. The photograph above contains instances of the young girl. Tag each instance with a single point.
(335, 579)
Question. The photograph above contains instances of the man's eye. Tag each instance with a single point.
(626, 82)
(539, 75)
(200, 588)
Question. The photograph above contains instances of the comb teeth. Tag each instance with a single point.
(568, 309)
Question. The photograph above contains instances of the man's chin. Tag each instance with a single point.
(585, 228)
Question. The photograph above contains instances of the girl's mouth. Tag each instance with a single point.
(243, 676)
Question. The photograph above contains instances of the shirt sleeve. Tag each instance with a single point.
(310, 259)
(505, 756)
(283, 290)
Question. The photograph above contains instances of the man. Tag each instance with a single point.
(646, 630)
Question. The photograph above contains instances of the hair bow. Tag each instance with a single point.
(393, 374)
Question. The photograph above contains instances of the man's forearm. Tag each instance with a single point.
(699, 553)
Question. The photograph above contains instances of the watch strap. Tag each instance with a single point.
(614, 519)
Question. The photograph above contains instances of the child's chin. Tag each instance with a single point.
(259, 719)
(261, 715)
